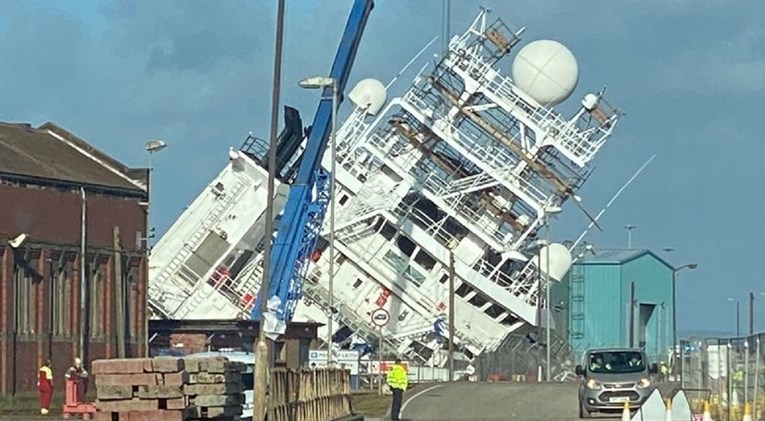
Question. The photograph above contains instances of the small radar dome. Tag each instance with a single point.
(560, 261)
(369, 94)
(546, 71)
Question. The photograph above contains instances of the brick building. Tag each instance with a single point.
(59, 197)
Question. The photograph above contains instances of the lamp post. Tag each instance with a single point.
(752, 298)
(262, 363)
(674, 300)
(318, 82)
(738, 314)
(629, 229)
(549, 210)
(152, 146)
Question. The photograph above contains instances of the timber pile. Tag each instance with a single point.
(168, 389)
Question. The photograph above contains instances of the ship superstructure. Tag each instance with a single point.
(464, 167)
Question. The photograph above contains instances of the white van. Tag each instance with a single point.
(247, 358)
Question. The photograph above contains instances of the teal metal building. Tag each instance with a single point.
(592, 304)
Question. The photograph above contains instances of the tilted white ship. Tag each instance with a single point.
(467, 162)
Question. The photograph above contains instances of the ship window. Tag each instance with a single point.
(414, 275)
(463, 290)
(340, 258)
(388, 231)
(425, 260)
(343, 199)
(478, 300)
(444, 278)
(357, 283)
(494, 311)
(406, 245)
(509, 320)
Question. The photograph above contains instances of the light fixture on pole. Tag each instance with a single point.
(674, 298)
(319, 82)
(549, 210)
(152, 146)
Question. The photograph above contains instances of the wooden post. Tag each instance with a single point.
(119, 294)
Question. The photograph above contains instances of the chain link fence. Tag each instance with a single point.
(729, 372)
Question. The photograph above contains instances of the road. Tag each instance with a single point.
(495, 401)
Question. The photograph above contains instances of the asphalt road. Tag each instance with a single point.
(496, 401)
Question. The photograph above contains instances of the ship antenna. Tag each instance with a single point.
(602, 211)
(416, 56)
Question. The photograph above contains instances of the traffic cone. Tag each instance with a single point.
(747, 412)
(668, 414)
(707, 415)
(626, 412)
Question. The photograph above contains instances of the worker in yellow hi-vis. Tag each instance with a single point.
(397, 381)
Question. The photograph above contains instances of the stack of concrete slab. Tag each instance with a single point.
(168, 389)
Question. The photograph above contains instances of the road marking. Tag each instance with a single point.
(417, 395)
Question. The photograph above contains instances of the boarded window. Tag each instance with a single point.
(209, 252)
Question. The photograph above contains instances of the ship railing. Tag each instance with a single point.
(522, 285)
(578, 144)
(497, 157)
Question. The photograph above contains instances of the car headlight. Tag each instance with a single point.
(592, 384)
(644, 383)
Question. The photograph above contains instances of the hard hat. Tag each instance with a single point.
(77, 361)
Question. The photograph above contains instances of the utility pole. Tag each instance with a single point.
(261, 349)
(751, 313)
(629, 229)
(451, 315)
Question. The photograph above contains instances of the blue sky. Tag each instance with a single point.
(690, 75)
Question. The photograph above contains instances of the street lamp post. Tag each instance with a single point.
(550, 210)
(674, 301)
(152, 146)
(317, 82)
(738, 314)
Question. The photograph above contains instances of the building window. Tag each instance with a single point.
(24, 298)
(96, 301)
(61, 299)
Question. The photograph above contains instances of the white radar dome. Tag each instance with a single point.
(546, 71)
(369, 94)
(560, 261)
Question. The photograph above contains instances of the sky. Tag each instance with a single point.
(690, 76)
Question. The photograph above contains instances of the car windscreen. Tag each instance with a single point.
(616, 362)
(248, 378)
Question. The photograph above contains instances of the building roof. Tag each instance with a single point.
(51, 153)
(619, 257)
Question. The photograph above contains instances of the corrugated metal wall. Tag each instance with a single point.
(602, 306)
(653, 292)
(599, 305)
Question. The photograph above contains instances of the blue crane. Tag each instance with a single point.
(309, 194)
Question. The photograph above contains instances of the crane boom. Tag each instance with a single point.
(307, 201)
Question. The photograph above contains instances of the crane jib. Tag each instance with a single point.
(303, 214)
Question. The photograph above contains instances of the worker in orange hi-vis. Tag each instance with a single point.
(45, 386)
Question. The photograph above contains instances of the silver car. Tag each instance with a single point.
(610, 377)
